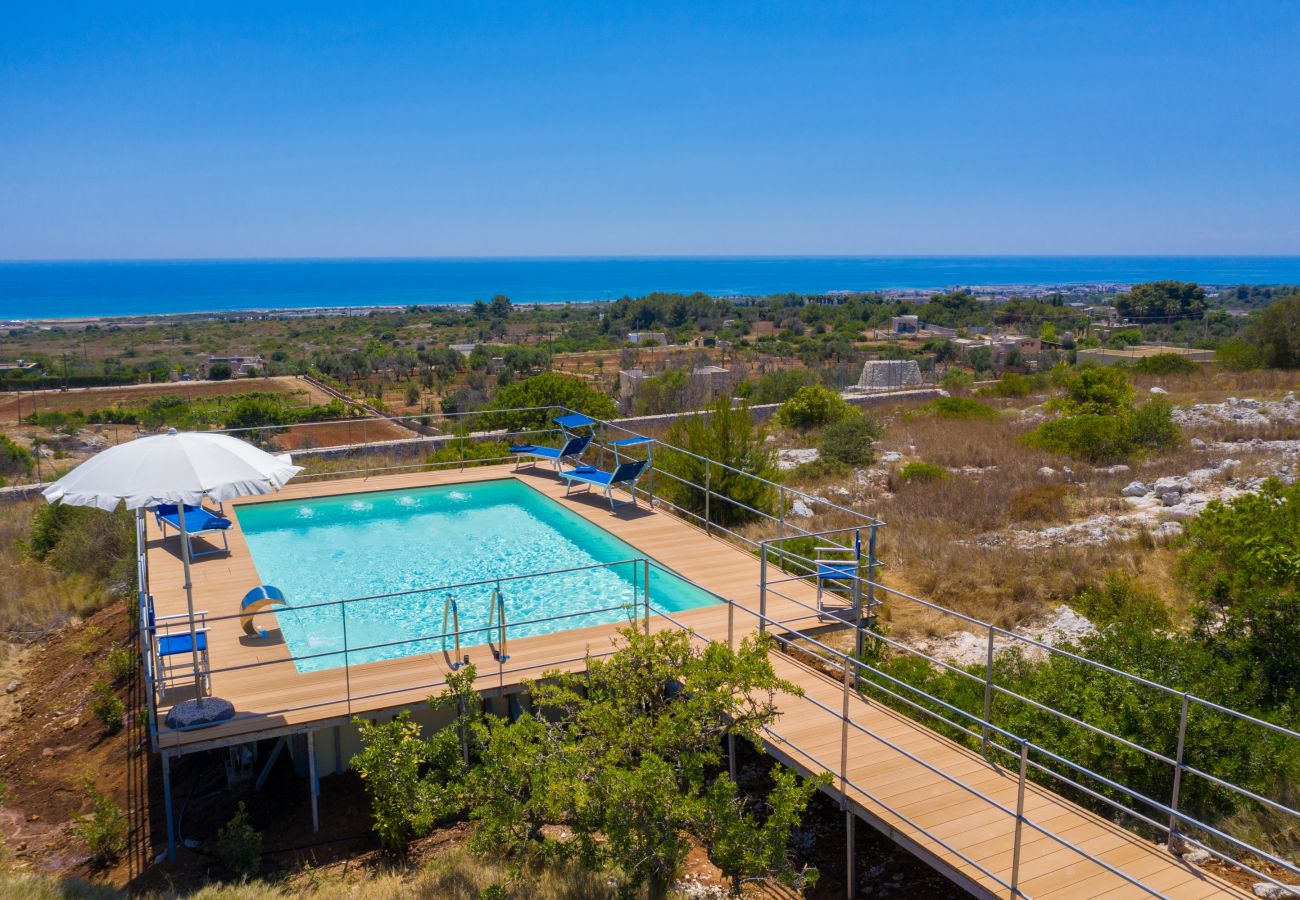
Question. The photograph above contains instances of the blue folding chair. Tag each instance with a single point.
(173, 657)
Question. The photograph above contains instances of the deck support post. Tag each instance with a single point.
(167, 806)
(850, 858)
(1178, 777)
(731, 625)
(312, 785)
(988, 696)
(1020, 820)
(731, 755)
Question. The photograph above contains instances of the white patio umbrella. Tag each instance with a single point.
(174, 468)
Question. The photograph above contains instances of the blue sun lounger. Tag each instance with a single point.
(571, 451)
(589, 476)
(198, 520)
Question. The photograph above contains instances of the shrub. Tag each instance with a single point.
(1039, 503)
(923, 472)
(239, 846)
(220, 371)
(726, 435)
(389, 764)
(1165, 364)
(1275, 333)
(105, 830)
(957, 381)
(15, 460)
(473, 453)
(1238, 356)
(120, 663)
(1095, 438)
(1013, 384)
(1152, 426)
(81, 540)
(1100, 390)
(820, 469)
(780, 386)
(851, 440)
(1120, 599)
(812, 407)
(958, 408)
(107, 707)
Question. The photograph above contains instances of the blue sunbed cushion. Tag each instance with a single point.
(524, 448)
(180, 643)
(588, 474)
(196, 518)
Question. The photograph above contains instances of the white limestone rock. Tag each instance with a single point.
(1135, 489)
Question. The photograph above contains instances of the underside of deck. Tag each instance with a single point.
(903, 778)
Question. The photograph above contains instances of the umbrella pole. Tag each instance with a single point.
(189, 602)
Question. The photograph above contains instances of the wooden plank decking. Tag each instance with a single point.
(923, 796)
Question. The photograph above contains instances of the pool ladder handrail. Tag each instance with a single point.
(497, 616)
(452, 609)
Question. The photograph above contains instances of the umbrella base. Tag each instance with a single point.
(198, 713)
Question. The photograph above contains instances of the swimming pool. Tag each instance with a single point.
(383, 542)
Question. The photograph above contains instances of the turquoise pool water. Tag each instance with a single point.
(358, 545)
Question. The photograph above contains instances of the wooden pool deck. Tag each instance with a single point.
(900, 776)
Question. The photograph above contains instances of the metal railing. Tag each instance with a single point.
(980, 728)
(1028, 757)
(494, 632)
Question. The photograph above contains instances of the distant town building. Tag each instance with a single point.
(1004, 345)
(905, 324)
(19, 365)
(239, 365)
(641, 338)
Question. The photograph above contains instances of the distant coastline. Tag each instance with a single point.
(114, 289)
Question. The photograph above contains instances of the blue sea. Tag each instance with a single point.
(78, 289)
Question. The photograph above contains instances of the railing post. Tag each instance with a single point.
(731, 625)
(844, 739)
(988, 696)
(365, 445)
(646, 588)
(1178, 776)
(1020, 819)
(708, 492)
(871, 571)
(780, 493)
(347, 669)
(762, 588)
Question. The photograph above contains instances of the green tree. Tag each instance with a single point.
(812, 407)
(726, 435)
(1275, 333)
(542, 393)
(630, 761)
(220, 371)
(1162, 299)
(1096, 390)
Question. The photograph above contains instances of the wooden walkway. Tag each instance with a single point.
(922, 797)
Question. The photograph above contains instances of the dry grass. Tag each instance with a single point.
(34, 598)
(454, 875)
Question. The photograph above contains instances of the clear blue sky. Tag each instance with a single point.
(484, 129)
